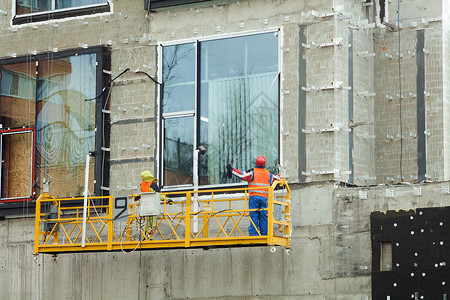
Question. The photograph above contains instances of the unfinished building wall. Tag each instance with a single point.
(335, 140)
(133, 117)
(325, 145)
(446, 93)
(338, 84)
(417, 112)
(363, 95)
(389, 147)
(320, 101)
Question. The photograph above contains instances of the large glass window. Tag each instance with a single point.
(65, 122)
(39, 9)
(223, 95)
(34, 6)
(50, 97)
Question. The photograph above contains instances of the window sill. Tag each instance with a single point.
(171, 189)
(60, 14)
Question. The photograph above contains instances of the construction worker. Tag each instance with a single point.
(257, 177)
(149, 184)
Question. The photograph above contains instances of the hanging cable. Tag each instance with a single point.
(123, 72)
(400, 90)
(109, 83)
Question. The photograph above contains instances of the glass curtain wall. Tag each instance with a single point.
(65, 128)
(178, 106)
(48, 96)
(232, 109)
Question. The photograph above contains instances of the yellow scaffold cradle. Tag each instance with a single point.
(206, 218)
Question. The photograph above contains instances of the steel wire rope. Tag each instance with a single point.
(104, 138)
(25, 204)
(400, 90)
(140, 249)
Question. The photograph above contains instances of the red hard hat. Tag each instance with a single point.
(260, 161)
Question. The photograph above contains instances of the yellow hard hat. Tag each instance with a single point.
(147, 176)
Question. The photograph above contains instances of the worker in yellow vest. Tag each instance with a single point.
(257, 177)
(149, 184)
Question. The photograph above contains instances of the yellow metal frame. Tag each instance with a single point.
(222, 218)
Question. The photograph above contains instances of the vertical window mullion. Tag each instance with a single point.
(160, 88)
(196, 109)
(1, 165)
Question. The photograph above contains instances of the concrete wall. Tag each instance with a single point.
(388, 111)
(330, 256)
(446, 91)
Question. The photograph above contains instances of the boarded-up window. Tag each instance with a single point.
(17, 164)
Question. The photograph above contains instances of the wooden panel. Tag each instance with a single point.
(17, 169)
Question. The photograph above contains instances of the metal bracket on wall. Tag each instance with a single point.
(390, 193)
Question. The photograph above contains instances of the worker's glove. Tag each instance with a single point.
(229, 170)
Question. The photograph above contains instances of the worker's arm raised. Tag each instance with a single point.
(247, 176)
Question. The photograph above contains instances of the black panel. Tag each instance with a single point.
(155, 4)
(420, 255)
(103, 124)
(302, 105)
(420, 82)
(351, 166)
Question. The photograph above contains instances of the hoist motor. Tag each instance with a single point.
(150, 204)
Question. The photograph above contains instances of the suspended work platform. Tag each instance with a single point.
(206, 218)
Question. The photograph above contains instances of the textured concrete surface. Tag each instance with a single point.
(329, 259)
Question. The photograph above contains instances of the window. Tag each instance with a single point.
(38, 10)
(48, 117)
(221, 94)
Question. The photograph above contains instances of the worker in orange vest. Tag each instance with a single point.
(149, 184)
(257, 177)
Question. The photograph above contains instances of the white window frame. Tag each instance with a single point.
(54, 10)
(160, 129)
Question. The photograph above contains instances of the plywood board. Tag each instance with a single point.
(17, 170)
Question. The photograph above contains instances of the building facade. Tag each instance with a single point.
(351, 92)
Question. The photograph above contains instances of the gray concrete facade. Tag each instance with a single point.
(330, 256)
(362, 133)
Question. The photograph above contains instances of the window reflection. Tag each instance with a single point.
(65, 122)
(17, 95)
(32, 6)
(178, 147)
(75, 3)
(238, 109)
(178, 78)
(35, 6)
(240, 102)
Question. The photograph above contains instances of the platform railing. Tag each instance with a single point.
(206, 218)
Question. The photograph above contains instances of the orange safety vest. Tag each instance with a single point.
(145, 187)
(261, 178)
